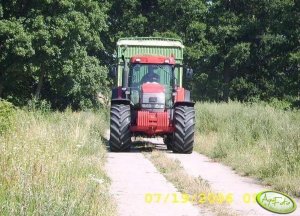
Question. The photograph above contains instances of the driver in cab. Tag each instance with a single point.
(150, 76)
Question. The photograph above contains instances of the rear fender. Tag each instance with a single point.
(118, 96)
(117, 93)
(120, 101)
(183, 98)
(184, 103)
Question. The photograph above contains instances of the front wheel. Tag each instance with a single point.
(120, 135)
(184, 123)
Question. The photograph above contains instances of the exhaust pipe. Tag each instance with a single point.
(125, 73)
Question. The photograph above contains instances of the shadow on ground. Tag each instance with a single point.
(144, 145)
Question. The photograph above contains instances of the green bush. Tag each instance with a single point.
(280, 104)
(38, 105)
(6, 115)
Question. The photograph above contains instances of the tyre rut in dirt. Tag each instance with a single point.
(184, 123)
(120, 135)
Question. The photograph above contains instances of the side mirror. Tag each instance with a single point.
(189, 73)
(113, 71)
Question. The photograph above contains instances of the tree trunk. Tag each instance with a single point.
(40, 84)
(1, 83)
(1, 89)
(226, 84)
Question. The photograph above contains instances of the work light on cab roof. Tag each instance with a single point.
(152, 60)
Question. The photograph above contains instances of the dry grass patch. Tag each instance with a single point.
(173, 172)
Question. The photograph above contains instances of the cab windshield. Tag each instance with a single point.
(143, 73)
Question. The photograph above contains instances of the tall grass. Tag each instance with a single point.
(52, 164)
(254, 139)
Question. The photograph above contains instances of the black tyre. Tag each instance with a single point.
(168, 141)
(184, 123)
(120, 135)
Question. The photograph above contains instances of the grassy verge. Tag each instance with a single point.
(187, 184)
(53, 164)
(256, 140)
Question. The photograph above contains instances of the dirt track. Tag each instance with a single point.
(133, 176)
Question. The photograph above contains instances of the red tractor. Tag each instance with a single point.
(149, 100)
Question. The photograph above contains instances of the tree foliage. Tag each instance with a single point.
(59, 50)
(244, 50)
(50, 49)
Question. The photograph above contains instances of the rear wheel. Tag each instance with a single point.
(184, 123)
(120, 135)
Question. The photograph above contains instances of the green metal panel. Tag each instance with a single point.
(141, 50)
(149, 46)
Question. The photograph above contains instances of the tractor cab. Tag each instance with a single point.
(151, 81)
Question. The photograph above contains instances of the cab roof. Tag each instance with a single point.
(150, 41)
